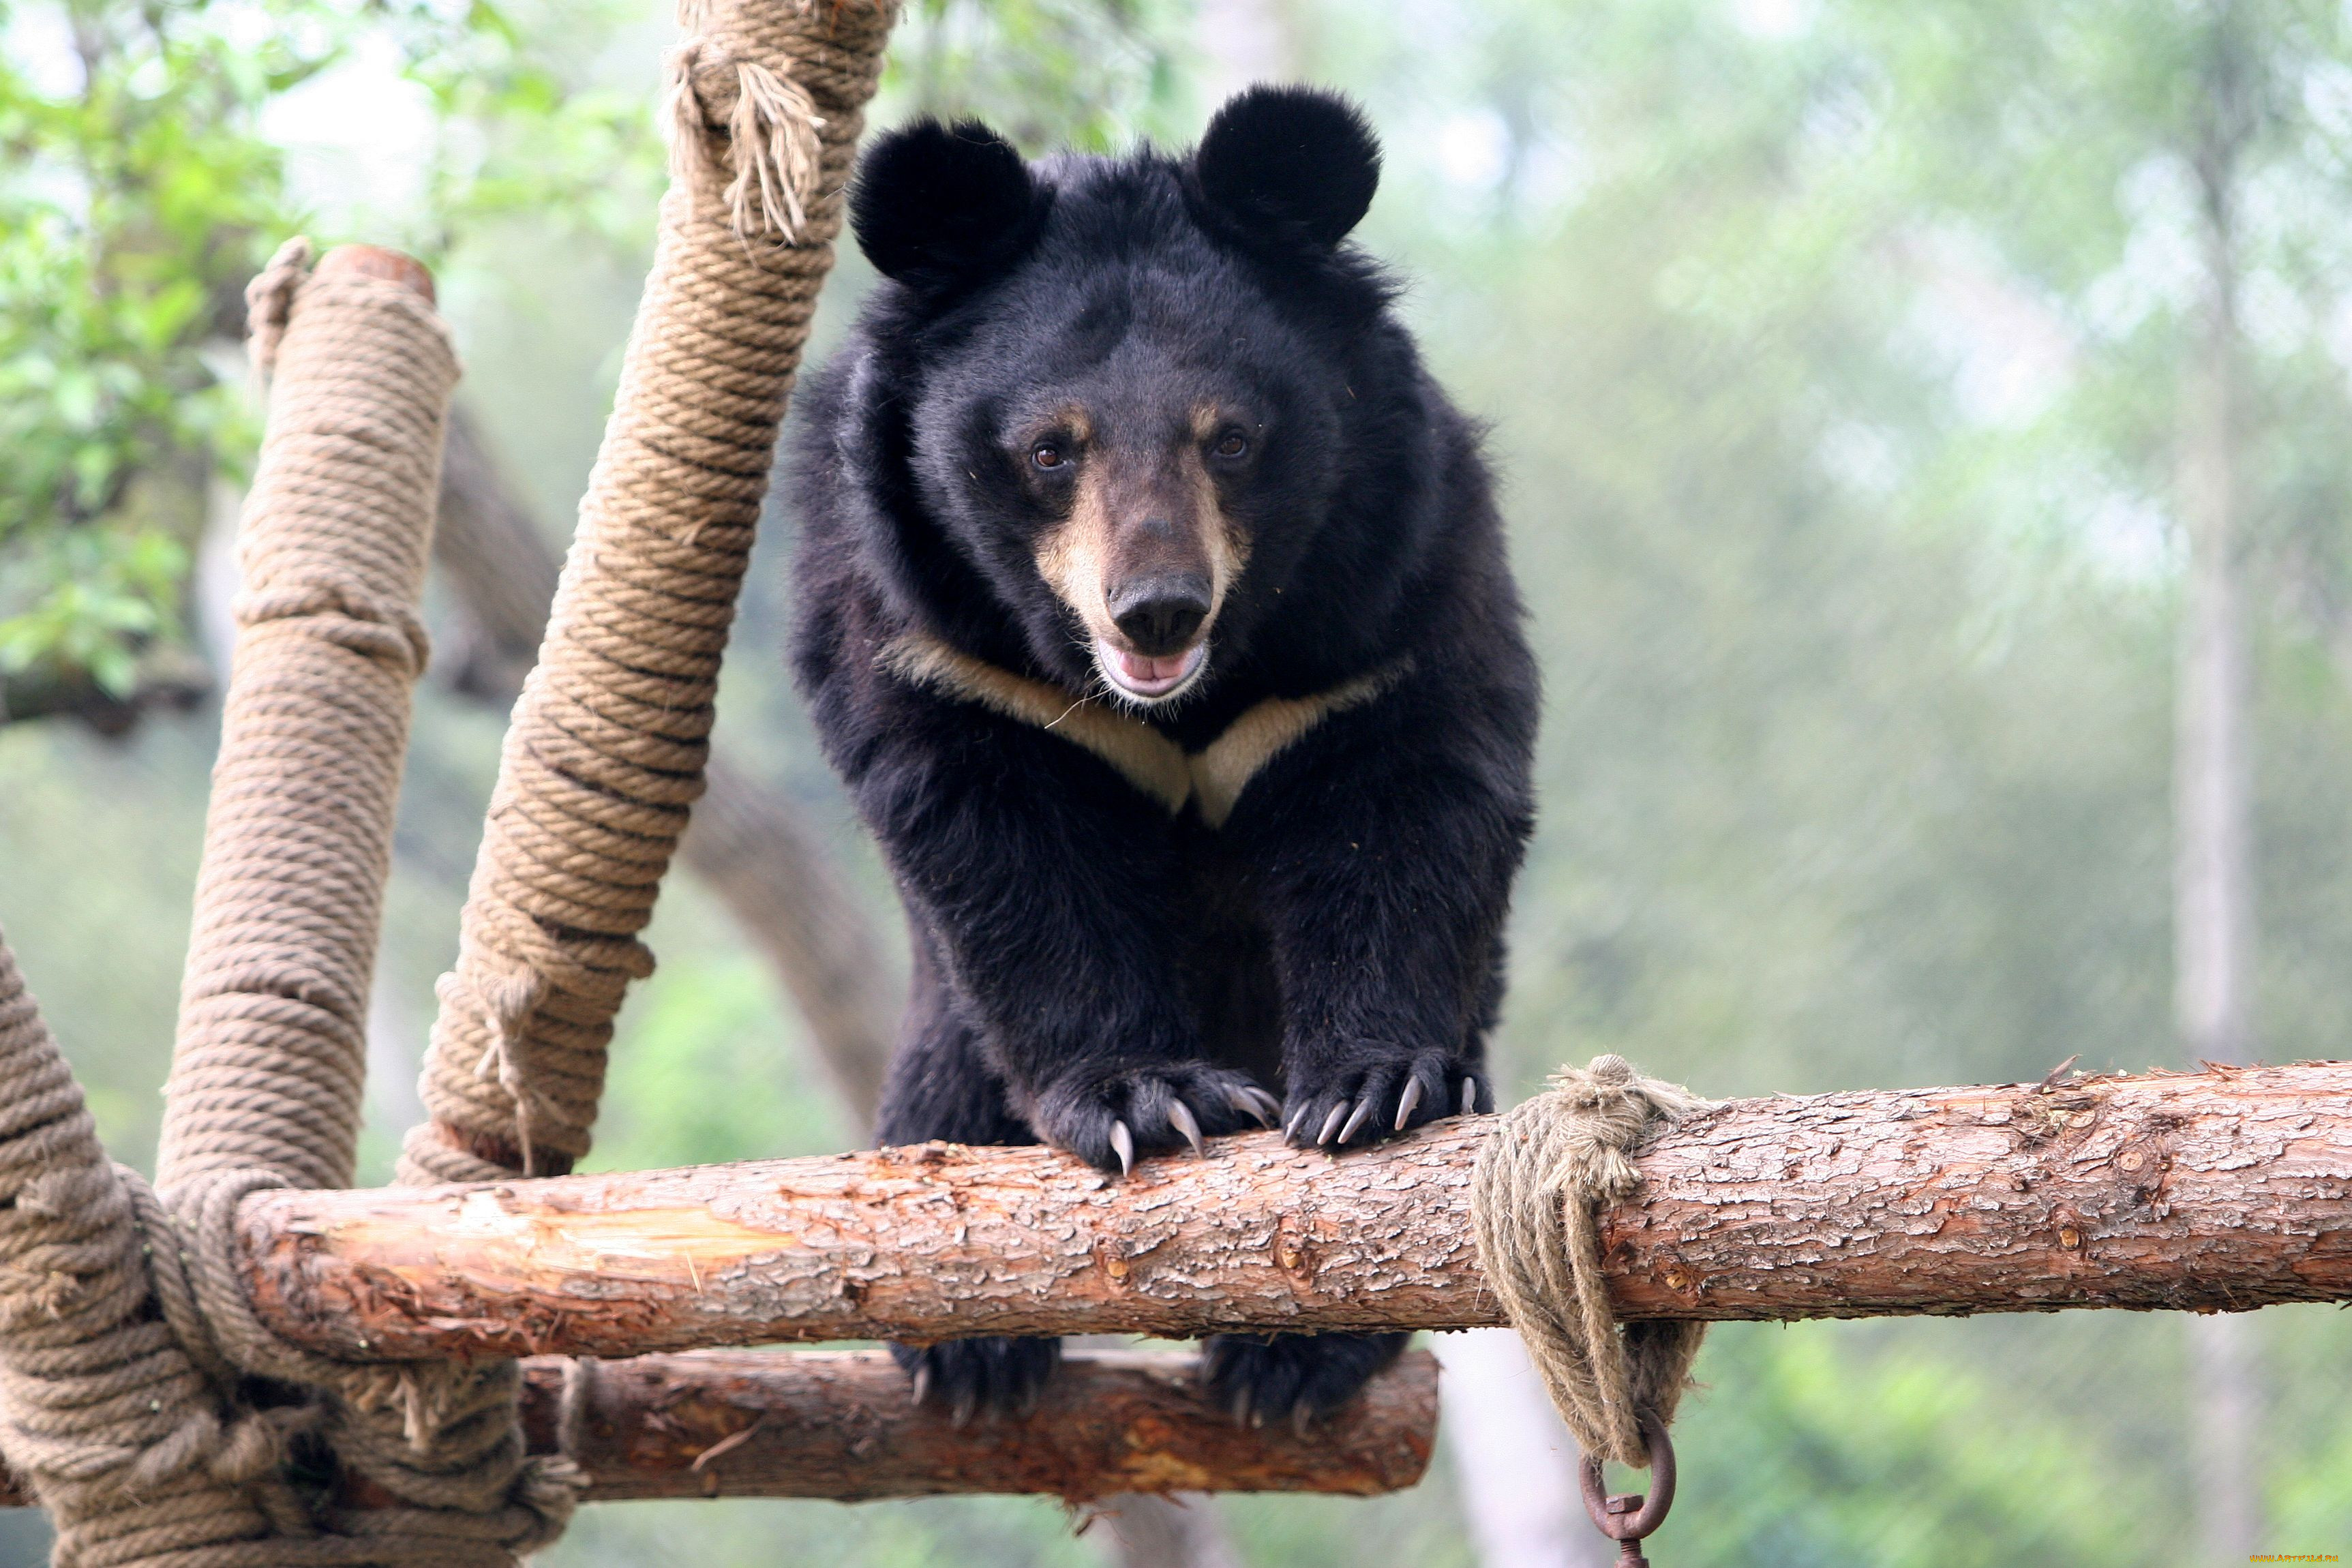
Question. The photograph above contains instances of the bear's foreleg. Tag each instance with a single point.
(1053, 893)
(1385, 872)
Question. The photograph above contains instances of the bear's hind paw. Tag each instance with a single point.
(993, 1375)
(1263, 1377)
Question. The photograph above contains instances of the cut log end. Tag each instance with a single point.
(375, 261)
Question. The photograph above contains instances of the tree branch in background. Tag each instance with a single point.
(753, 846)
(756, 851)
(500, 564)
(171, 678)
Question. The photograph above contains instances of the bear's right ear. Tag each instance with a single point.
(937, 206)
(1289, 163)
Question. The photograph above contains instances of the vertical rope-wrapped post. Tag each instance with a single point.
(266, 1072)
(606, 750)
(102, 1410)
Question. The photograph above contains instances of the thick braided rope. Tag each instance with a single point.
(607, 746)
(1540, 1181)
(124, 1332)
(298, 841)
(268, 1074)
(103, 1410)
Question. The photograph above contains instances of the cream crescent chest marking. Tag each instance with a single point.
(1211, 779)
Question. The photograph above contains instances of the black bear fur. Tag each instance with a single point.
(1167, 383)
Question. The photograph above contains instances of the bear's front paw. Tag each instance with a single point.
(1349, 1102)
(1107, 1122)
(1259, 1377)
(1001, 1376)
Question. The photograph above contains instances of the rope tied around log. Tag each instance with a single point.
(156, 1416)
(605, 754)
(1541, 1180)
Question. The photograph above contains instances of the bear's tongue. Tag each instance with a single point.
(1146, 676)
(1142, 669)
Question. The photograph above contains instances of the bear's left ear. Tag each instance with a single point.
(942, 205)
(1289, 162)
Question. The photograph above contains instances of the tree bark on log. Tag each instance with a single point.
(2210, 1192)
(839, 1424)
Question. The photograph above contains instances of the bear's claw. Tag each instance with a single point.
(1258, 1377)
(1252, 1100)
(1112, 1122)
(1181, 1117)
(1370, 1104)
(997, 1375)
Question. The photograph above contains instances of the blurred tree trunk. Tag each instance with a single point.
(1514, 1462)
(2213, 896)
(755, 850)
(752, 844)
(1182, 1530)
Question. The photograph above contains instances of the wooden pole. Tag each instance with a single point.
(2210, 1192)
(835, 1424)
(839, 1424)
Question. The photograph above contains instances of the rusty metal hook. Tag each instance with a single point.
(1627, 1516)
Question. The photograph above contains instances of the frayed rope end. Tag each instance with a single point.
(772, 140)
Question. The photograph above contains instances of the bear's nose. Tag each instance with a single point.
(1161, 615)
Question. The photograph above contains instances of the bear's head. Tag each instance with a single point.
(1123, 387)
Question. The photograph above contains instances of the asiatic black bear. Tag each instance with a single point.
(1152, 603)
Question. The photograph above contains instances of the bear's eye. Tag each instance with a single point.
(1232, 444)
(1049, 455)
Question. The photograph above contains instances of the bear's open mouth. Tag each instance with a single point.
(1147, 678)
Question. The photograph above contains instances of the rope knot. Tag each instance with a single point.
(269, 302)
(1540, 1183)
(372, 625)
(443, 1439)
(771, 127)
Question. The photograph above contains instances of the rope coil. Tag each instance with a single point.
(150, 1410)
(605, 754)
(297, 837)
(154, 1414)
(1541, 1180)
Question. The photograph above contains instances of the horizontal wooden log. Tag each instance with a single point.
(839, 1424)
(2212, 1191)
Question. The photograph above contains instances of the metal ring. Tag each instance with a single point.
(1652, 1513)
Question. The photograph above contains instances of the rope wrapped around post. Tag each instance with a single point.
(154, 1414)
(606, 750)
(267, 1073)
(1550, 1165)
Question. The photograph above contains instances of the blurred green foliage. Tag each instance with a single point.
(129, 201)
(1050, 74)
